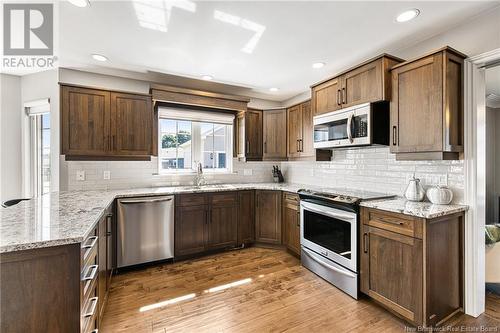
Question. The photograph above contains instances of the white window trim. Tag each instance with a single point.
(196, 150)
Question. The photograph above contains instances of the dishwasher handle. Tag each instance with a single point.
(146, 200)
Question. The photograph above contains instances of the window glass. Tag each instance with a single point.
(45, 153)
(184, 144)
(175, 144)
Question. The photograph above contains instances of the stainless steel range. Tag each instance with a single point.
(329, 234)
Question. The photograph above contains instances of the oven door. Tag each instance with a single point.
(330, 232)
(349, 127)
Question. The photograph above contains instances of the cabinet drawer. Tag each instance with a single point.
(191, 199)
(89, 312)
(224, 199)
(291, 198)
(398, 223)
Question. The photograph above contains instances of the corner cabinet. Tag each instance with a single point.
(268, 216)
(274, 135)
(427, 107)
(413, 266)
(104, 125)
(248, 135)
(366, 83)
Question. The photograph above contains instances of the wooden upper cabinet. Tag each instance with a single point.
(365, 83)
(100, 124)
(427, 107)
(132, 120)
(300, 130)
(248, 138)
(294, 124)
(274, 135)
(85, 121)
(326, 96)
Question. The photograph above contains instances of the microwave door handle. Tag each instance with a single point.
(349, 124)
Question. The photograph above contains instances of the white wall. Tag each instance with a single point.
(10, 141)
(33, 87)
(479, 35)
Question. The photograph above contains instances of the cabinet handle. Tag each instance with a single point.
(248, 147)
(298, 218)
(265, 146)
(338, 98)
(301, 145)
(344, 95)
(365, 239)
(90, 273)
(109, 224)
(90, 313)
(394, 135)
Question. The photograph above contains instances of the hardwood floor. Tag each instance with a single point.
(271, 292)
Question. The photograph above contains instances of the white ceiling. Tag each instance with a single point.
(254, 45)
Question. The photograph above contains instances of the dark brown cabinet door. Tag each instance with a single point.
(363, 84)
(307, 139)
(223, 221)
(268, 217)
(391, 271)
(190, 229)
(294, 124)
(253, 134)
(85, 121)
(416, 108)
(291, 227)
(131, 123)
(326, 96)
(246, 217)
(274, 132)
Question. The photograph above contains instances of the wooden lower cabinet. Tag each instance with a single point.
(268, 216)
(55, 289)
(222, 224)
(246, 217)
(291, 222)
(190, 229)
(413, 266)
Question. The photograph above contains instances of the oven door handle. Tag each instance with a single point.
(327, 212)
(317, 259)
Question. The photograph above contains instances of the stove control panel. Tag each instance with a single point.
(346, 199)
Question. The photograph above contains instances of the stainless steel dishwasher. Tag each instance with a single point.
(145, 230)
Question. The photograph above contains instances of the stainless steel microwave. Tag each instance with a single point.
(360, 125)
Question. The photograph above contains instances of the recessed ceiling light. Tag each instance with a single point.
(408, 15)
(207, 77)
(318, 64)
(273, 89)
(99, 57)
(80, 3)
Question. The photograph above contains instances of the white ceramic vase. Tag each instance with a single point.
(439, 195)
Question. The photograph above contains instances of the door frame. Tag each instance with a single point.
(475, 179)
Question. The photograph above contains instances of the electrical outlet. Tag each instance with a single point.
(107, 174)
(80, 175)
(247, 172)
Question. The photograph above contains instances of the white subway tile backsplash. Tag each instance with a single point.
(372, 169)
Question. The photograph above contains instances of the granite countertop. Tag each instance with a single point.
(426, 210)
(61, 218)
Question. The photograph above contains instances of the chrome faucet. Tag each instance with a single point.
(199, 179)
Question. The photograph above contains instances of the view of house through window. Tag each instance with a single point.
(44, 170)
(185, 143)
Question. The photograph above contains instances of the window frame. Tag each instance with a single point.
(197, 149)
